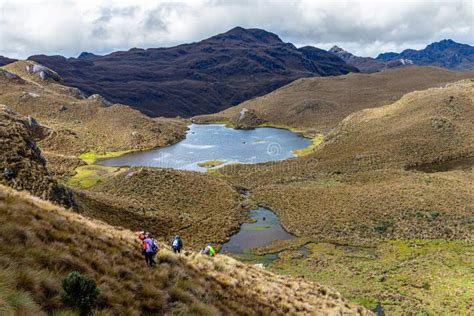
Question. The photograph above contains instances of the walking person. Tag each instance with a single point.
(150, 249)
(209, 250)
(177, 244)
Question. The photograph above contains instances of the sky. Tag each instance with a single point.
(365, 28)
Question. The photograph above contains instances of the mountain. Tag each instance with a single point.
(197, 78)
(446, 53)
(78, 124)
(368, 64)
(5, 60)
(319, 104)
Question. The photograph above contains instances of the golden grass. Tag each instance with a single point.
(55, 242)
(318, 104)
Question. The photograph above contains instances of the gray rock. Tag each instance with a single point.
(42, 72)
(101, 99)
(9, 75)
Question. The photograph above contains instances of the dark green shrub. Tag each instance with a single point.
(79, 292)
(381, 226)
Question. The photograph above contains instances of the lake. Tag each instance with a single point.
(208, 142)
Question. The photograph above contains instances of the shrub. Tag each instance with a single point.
(79, 292)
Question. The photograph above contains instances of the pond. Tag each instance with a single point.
(262, 231)
(215, 142)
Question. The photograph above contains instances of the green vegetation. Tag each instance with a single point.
(281, 126)
(227, 124)
(211, 163)
(256, 227)
(79, 292)
(316, 141)
(405, 276)
(89, 175)
(91, 158)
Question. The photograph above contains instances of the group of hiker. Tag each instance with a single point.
(150, 247)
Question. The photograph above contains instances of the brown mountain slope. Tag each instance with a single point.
(318, 104)
(197, 206)
(79, 124)
(41, 244)
(21, 164)
(354, 186)
(196, 78)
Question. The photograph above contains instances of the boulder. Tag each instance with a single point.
(247, 119)
(43, 72)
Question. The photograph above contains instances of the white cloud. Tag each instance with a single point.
(102, 26)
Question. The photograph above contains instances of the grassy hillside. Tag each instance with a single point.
(386, 202)
(81, 124)
(197, 206)
(316, 105)
(41, 243)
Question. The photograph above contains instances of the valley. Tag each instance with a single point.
(332, 182)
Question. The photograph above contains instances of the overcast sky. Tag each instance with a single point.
(365, 28)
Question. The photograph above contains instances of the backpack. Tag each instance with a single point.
(175, 243)
(154, 247)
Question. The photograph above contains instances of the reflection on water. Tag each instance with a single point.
(265, 229)
(216, 142)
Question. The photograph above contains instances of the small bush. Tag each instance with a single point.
(382, 226)
(80, 292)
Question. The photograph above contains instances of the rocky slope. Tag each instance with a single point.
(203, 77)
(446, 53)
(368, 64)
(79, 124)
(185, 284)
(21, 164)
(319, 104)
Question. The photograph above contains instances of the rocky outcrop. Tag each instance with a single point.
(247, 119)
(369, 64)
(22, 166)
(43, 72)
(103, 101)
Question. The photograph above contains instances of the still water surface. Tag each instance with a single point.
(206, 142)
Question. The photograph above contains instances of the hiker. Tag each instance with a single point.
(177, 244)
(150, 248)
(209, 250)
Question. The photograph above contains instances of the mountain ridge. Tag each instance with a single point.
(196, 78)
(445, 53)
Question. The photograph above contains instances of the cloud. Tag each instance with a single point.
(102, 26)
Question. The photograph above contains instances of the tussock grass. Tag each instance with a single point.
(30, 274)
(405, 276)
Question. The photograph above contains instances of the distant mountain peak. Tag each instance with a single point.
(85, 55)
(249, 35)
(444, 44)
(340, 52)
